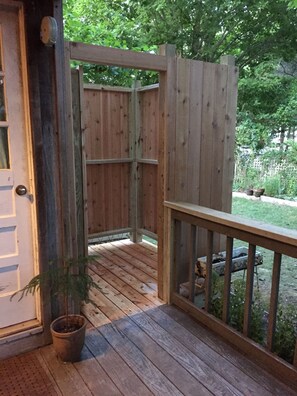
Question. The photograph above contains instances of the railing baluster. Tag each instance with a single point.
(192, 263)
(273, 299)
(215, 223)
(177, 255)
(208, 280)
(227, 279)
(249, 290)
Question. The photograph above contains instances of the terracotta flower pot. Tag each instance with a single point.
(258, 192)
(68, 344)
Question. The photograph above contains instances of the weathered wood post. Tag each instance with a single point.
(167, 99)
(135, 145)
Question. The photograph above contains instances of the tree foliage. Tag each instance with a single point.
(253, 30)
(110, 23)
(267, 105)
(261, 34)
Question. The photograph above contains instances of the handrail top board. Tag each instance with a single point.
(259, 228)
(116, 57)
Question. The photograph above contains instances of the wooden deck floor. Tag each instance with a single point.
(136, 345)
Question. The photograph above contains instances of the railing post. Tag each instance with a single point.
(168, 262)
(192, 262)
(227, 280)
(249, 290)
(208, 280)
(176, 256)
(273, 299)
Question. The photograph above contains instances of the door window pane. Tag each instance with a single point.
(4, 151)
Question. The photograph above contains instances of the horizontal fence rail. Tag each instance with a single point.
(221, 229)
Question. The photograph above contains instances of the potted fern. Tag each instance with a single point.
(70, 282)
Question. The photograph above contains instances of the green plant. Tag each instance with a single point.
(69, 280)
(237, 298)
(285, 332)
(272, 186)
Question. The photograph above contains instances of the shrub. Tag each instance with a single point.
(285, 332)
(272, 186)
(237, 298)
(286, 323)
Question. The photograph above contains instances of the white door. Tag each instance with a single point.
(16, 211)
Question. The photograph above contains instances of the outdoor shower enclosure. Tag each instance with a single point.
(138, 147)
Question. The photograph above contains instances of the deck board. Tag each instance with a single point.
(137, 345)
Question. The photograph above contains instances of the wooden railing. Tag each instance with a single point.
(225, 227)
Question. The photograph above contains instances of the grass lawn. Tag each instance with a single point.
(280, 215)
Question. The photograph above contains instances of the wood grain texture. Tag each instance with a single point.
(110, 360)
(213, 359)
(255, 231)
(276, 271)
(217, 344)
(108, 197)
(149, 126)
(136, 347)
(117, 57)
(107, 123)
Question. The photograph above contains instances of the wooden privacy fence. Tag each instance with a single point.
(122, 148)
(147, 145)
(279, 241)
(121, 145)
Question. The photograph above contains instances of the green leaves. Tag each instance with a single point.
(67, 278)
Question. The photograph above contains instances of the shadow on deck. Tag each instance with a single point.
(136, 345)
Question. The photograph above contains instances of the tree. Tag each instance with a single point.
(267, 106)
(253, 30)
(108, 23)
(261, 34)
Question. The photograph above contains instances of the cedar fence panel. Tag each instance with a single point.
(122, 135)
(106, 115)
(201, 145)
(118, 135)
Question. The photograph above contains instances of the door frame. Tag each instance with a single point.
(35, 323)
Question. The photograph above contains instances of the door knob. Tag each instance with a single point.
(21, 190)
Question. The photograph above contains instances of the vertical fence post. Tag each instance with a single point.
(167, 127)
(135, 197)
